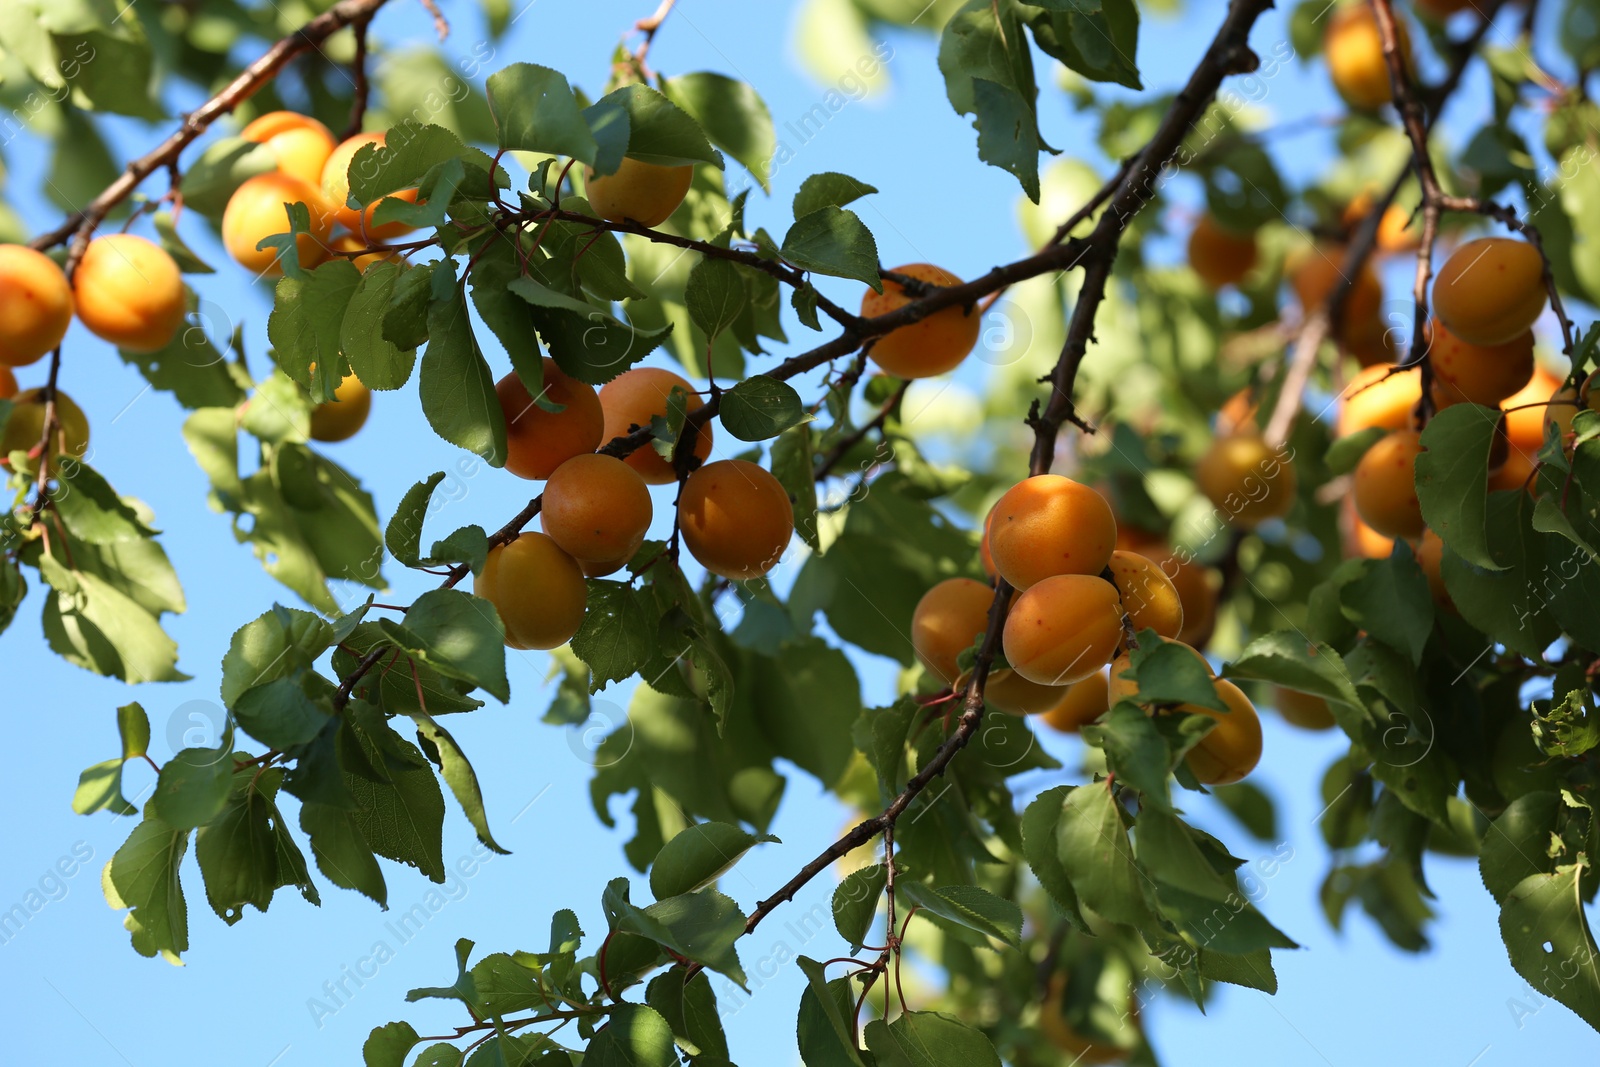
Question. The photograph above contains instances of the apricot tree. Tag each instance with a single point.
(1242, 480)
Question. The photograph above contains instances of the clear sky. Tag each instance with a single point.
(76, 992)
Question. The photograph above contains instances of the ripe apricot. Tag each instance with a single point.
(1149, 598)
(931, 345)
(1385, 485)
(1314, 273)
(985, 553)
(631, 399)
(1011, 692)
(339, 419)
(1063, 629)
(539, 441)
(1399, 230)
(1367, 542)
(736, 518)
(1124, 688)
(8, 383)
(1515, 473)
(596, 508)
(647, 193)
(949, 619)
(1079, 704)
(35, 305)
(1430, 554)
(1219, 255)
(1465, 373)
(1353, 47)
(1232, 748)
(1197, 586)
(257, 210)
(1525, 412)
(1246, 479)
(1380, 396)
(349, 242)
(1490, 290)
(1371, 342)
(299, 143)
(611, 566)
(25, 425)
(1305, 710)
(537, 589)
(335, 185)
(129, 292)
(1238, 413)
(1048, 525)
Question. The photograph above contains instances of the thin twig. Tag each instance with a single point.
(358, 74)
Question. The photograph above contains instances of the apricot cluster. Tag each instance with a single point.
(1228, 751)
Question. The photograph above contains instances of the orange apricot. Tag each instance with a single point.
(35, 305)
(735, 518)
(1371, 342)
(1398, 230)
(1525, 412)
(25, 425)
(1430, 554)
(1048, 525)
(1353, 47)
(1079, 704)
(1369, 543)
(8, 383)
(949, 619)
(1246, 479)
(1149, 598)
(1315, 272)
(339, 419)
(1124, 688)
(1063, 629)
(1231, 749)
(299, 143)
(1218, 255)
(129, 292)
(1011, 692)
(1238, 413)
(1465, 373)
(1515, 473)
(1490, 290)
(1385, 485)
(1197, 586)
(537, 589)
(646, 193)
(985, 553)
(931, 345)
(1305, 710)
(631, 399)
(1380, 396)
(596, 508)
(539, 441)
(257, 210)
(349, 242)
(335, 184)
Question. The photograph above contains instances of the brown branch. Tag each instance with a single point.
(441, 25)
(826, 464)
(358, 75)
(650, 27)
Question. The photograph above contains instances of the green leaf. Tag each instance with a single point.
(304, 327)
(342, 852)
(855, 903)
(988, 73)
(1092, 844)
(1517, 844)
(828, 189)
(1452, 479)
(456, 386)
(761, 407)
(535, 110)
(792, 461)
(825, 1038)
(806, 700)
(635, 1036)
(174, 246)
(274, 644)
(733, 114)
(460, 636)
(192, 788)
(143, 876)
(1039, 822)
(836, 242)
(469, 545)
(929, 1039)
(190, 366)
(1253, 970)
(377, 361)
(403, 535)
(405, 324)
(388, 1045)
(245, 854)
(715, 295)
(690, 1008)
(1512, 603)
(618, 635)
(703, 926)
(225, 164)
(1170, 673)
(1391, 601)
(1100, 44)
(1135, 751)
(659, 131)
(100, 786)
(91, 509)
(698, 856)
(285, 712)
(1286, 658)
(970, 906)
(1544, 927)
(93, 624)
(1346, 452)
(1568, 728)
(459, 775)
(401, 819)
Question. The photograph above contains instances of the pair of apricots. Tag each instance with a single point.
(1054, 541)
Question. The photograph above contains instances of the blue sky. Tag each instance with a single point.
(74, 988)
